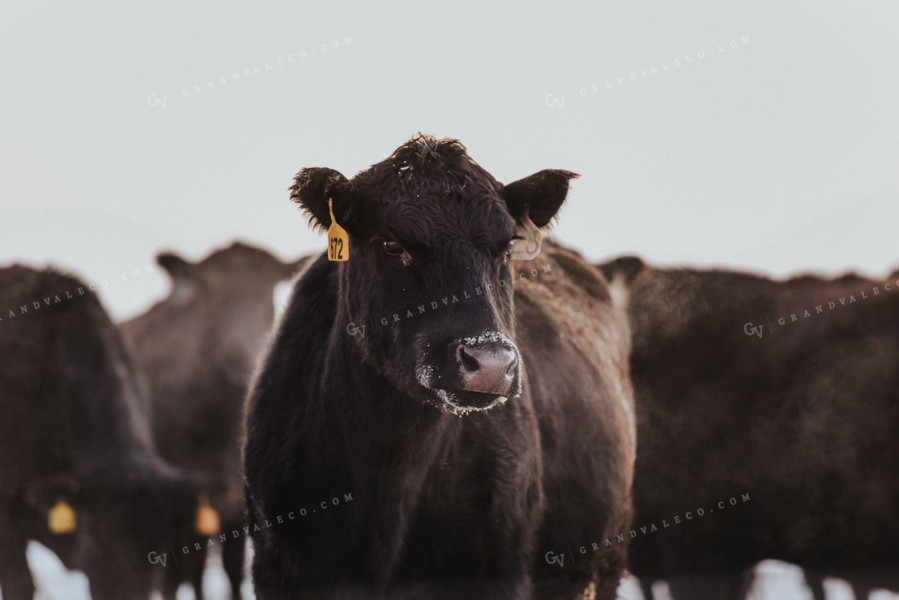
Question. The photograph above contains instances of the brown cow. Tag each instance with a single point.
(197, 349)
(72, 437)
(787, 392)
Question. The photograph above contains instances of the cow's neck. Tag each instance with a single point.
(390, 441)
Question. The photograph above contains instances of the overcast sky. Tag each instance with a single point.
(760, 136)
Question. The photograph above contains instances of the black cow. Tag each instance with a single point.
(475, 434)
(197, 350)
(71, 433)
(785, 391)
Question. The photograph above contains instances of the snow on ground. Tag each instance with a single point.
(55, 582)
(52, 580)
(774, 581)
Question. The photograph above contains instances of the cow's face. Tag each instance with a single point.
(128, 519)
(426, 294)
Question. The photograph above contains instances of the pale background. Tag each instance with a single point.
(778, 154)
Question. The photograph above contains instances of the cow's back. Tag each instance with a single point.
(798, 420)
(72, 431)
(64, 364)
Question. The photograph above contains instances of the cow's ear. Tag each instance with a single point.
(538, 196)
(629, 267)
(179, 270)
(174, 265)
(313, 187)
(42, 493)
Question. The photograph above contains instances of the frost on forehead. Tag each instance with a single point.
(427, 165)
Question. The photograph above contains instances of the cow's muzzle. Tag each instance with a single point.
(485, 368)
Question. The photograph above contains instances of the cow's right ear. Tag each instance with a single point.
(313, 187)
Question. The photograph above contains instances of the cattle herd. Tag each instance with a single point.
(452, 406)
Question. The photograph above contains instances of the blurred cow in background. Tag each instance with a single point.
(196, 350)
(78, 471)
(788, 391)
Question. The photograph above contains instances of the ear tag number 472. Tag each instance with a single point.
(338, 240)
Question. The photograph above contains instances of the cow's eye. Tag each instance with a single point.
(392, 248)
(511, 245)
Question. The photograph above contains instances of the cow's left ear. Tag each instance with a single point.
(538, 196)
(42, 493)
(174, 265)
(180, 272)
(313, 187)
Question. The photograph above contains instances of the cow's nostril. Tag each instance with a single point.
(512, 365)
(466, 360)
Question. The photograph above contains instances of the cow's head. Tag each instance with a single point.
(237, 272)
(231, 293)
(150, 508)
(430, 239)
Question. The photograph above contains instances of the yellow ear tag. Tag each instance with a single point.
(338, 240)
(61, 518)
(208, 522)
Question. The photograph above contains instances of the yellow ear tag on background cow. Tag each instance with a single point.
(208, 522)
(61, 518)
(338, 240)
